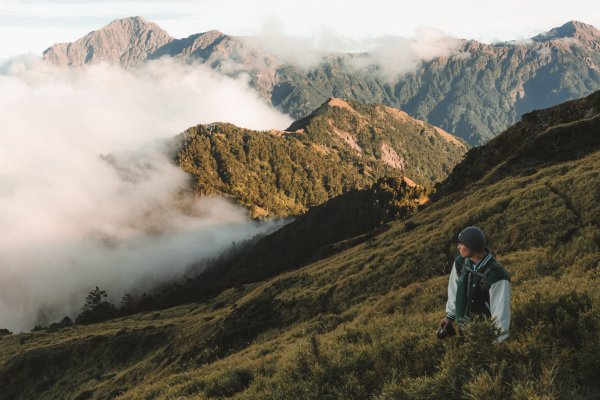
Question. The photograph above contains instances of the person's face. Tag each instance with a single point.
(464, 250)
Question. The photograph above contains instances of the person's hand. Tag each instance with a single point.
(446, 329)
(444, 322)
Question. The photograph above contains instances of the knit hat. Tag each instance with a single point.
(473, 238)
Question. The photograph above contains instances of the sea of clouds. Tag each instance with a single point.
(89, 194)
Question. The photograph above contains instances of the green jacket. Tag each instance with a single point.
(480, 289)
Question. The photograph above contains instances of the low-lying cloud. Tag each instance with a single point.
(88, 193)
(395, 56)
(390, 56)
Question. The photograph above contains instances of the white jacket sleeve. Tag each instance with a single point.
(451, 303)
(500, 295)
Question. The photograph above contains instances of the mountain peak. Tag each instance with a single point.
(125, 41)
(137, 22)
(337, 102)
(135, 19)
(571, 29)
(322, 109)
(341, 103)
(364, 112)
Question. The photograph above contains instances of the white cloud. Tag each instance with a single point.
(89, 195)
(273, 39)
(395, 56)
(392, 55)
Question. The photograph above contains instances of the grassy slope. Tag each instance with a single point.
(555, 131)
(339, 223)
(361, 323)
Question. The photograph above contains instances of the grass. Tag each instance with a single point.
(361, 324)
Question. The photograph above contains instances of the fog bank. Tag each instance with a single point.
(89, 194)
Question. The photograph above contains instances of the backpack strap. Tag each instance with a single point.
(487, 268)
(483, 275)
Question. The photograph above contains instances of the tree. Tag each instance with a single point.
(127, 304)
(96, 309)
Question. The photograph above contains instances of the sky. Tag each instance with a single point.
(30, 26)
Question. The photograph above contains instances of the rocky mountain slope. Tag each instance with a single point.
(476, 91)
(127, 42)
(361, 323)
(340, 146)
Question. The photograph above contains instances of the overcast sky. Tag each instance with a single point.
(30, 26)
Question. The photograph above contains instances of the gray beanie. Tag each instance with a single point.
(473, 238)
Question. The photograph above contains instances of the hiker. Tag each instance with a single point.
(478, 285)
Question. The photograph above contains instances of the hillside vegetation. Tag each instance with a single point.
(340, 223)
(340, 146)
(360, 324)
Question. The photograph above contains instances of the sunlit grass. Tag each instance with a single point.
(361, 324)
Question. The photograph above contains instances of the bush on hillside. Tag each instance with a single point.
(5, 332)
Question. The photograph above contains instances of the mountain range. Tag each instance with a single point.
(343, 302)
(357, 319)
(474, 90)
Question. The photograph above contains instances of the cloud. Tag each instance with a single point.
(286, 49)
(88, 192)
(391, 56)
(524, 42)
(395, 56)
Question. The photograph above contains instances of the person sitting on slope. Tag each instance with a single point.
(478, 285)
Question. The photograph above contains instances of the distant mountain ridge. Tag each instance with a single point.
(572, 29)
(475, 93)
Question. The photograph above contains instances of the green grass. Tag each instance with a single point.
(361, 324)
